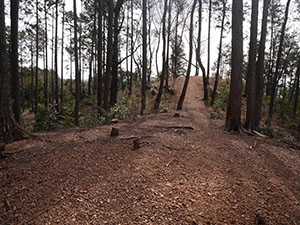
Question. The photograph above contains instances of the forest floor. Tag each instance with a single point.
(186, 170)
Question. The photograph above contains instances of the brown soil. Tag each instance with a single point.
(184, 170)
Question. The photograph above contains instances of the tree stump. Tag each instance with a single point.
(114, 132)
(176, 115)
(136, 144)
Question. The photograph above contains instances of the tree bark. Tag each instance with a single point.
(186, 82)
(233, 114)
(14, 16)
(9, 129)
(260, 66)
(251, 81)
(296, 99)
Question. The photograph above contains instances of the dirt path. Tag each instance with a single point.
(186, 171)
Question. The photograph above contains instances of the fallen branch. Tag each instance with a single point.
(259, 134)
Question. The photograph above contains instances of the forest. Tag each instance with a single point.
(168, 80)
(58, 62)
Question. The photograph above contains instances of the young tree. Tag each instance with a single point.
(297, 88)
(224, 3)
(250, 79)
(100, 43)
(208, 40)
(278, 63)
(9, 129)
(143, 90)
(233, 114)
(198, 53)
(46, 55)
(56, 54)
(62, 58)
(186, 82)
(37, 59)
(14, 18)
(162, 76)
(77, 74)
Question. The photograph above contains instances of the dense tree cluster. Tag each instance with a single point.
(112, 47)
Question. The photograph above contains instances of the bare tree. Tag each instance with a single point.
(278, 63)
(186, 82)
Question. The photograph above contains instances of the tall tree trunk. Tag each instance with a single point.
(132, 51)
(260, 66)
(162, 77)
(127, 43)
(186, 82)
(109, 54)
(92, 51)
(115, 56)
(100, 52)
(22, 80)
(168, 44)
(208, 40)
(52, 61)
(77, 74)
(149, 44)
(220, 54)
(198, 53)
(32, 75)
(14, 16)
(56, 54)
(46, 55)
(37, 60)
(143, 106)
(233, 114)
(62, 60)
(251, 82)
(71, 74)
(296, 99)
(279, 54)
(9, 129)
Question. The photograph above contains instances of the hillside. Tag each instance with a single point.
(160, 170)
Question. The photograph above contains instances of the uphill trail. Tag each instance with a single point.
(159, 170)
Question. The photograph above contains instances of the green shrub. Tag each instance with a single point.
(222, 97)
(47, 119)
